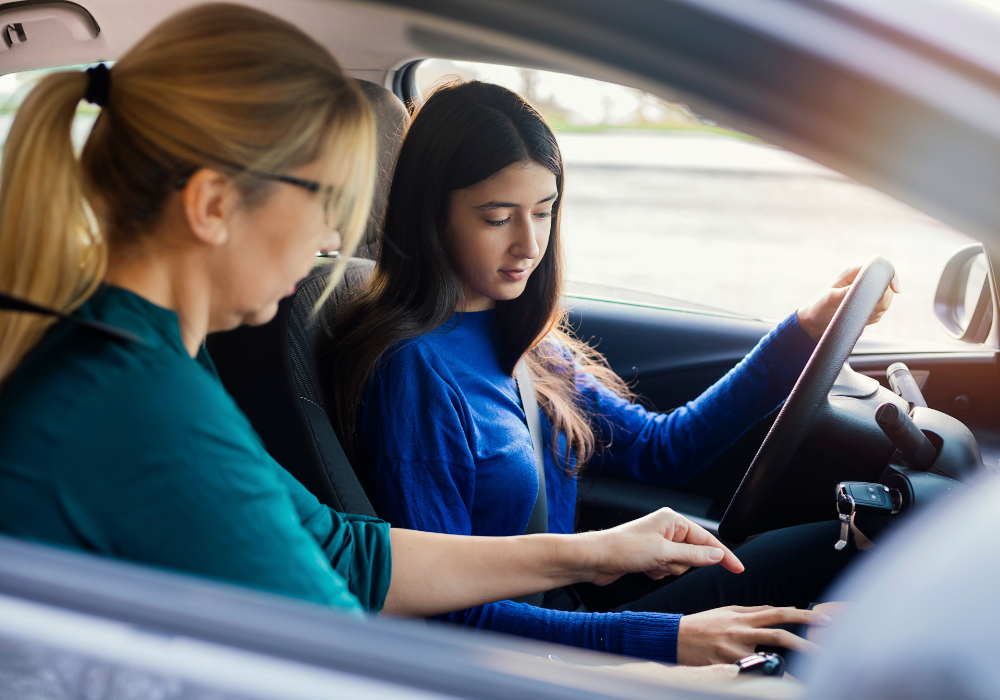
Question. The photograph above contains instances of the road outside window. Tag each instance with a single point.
(662, 203)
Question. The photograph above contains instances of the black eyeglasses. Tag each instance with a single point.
(325, 191)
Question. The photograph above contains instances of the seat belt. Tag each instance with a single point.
(9, 303)
(538, 522)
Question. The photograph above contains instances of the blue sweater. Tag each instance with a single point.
(449, 451)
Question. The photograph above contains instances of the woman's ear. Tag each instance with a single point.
(207, 200)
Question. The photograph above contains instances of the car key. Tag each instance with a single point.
(764, 664)
(870, 495)
(845, 509)
(864, 498)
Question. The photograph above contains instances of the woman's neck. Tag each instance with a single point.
(164, 280)
(472, 301)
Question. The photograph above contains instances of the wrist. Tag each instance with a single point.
(586, 557)
(807, 319)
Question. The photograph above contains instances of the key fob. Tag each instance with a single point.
(872, 496)
(763, 664)
(872, 505)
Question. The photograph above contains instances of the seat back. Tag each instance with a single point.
(391, 120)
(270, 370)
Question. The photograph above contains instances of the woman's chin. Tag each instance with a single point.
(509, 291)
(260, 316)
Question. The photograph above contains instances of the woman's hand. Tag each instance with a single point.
(725, 635)
(660, 544)
(815, 316)
(434, 573)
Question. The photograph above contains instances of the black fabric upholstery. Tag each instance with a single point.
(391, 121)
(270, 371)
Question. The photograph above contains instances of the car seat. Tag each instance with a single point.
(270, 370)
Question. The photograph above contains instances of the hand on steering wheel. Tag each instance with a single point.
(815, 316)
(763, 498)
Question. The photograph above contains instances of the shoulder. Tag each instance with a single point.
(417, 360)
(87, 392)
(412, 383)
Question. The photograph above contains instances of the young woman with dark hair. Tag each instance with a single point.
(467, 284)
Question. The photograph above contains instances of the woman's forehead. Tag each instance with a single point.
(524, 184)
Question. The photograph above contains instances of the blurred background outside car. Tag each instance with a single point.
(665, 207)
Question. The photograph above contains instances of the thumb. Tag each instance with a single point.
(837, 294)
(694, 554)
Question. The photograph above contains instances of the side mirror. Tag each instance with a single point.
(963, 301)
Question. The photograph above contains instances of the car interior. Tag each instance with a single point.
(670, 356)
(805, 461)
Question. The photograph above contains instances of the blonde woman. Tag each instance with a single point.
(230, 147)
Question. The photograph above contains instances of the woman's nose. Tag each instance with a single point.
(331, 243)
(525, 244)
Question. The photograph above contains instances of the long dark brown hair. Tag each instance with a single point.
(463, 134)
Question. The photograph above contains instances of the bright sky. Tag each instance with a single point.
(588, 101)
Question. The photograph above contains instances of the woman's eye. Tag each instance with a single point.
(491, 222)
(544, 215)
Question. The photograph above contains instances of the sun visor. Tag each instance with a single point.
(47, 34)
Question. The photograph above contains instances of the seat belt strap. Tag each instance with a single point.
(9, 303)
(538, 522)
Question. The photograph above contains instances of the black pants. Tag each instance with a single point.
(789, 567)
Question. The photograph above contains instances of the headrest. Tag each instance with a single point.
(270, 371)
(391, 121)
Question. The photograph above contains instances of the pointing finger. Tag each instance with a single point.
(698, 535)
(693, 554)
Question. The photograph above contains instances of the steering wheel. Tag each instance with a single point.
(751, 510)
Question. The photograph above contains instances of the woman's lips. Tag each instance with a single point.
(516, 275)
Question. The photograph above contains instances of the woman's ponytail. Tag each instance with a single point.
(52, 251)
(220, 86)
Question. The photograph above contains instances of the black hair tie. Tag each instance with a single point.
(98, 84)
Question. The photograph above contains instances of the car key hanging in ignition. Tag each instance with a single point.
(845, 509)
(870, 503)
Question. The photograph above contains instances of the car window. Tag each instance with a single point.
(14, 87)
(662, 203)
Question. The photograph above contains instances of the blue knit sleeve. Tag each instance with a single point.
(643, 635)
(670, 448)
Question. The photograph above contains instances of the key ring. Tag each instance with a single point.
(842, 498)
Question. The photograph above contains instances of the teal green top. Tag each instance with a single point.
(136, 451)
